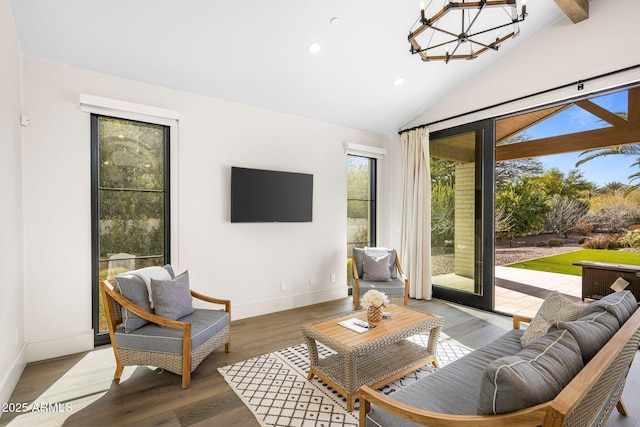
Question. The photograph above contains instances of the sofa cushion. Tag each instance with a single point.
(376, 269)
(535, 375)
(556, 308)
(621, 304)
(454, 388)
(205, 324)
(172, 298)
(393, 288)
(591, 332)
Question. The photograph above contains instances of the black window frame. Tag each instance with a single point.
(373, 221)
(102, 337)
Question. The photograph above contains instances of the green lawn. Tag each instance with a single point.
(563, 263)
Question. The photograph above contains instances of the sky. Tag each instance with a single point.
(574, 119)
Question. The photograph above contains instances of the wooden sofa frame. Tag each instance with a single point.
(396, 300)
(595, 390)
(183, 364)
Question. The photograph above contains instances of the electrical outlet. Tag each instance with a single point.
(332, 277)
(283, 286)
(311, 281)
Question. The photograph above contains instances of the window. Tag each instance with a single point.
(130, 201)
(361, 202)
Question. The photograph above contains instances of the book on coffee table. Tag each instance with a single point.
(357, 325)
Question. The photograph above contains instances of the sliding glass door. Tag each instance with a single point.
(461, 161)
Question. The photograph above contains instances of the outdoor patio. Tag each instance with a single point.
(520, 291)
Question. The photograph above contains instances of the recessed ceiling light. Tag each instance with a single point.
(398, 81)
(334, 21)
(313, 47)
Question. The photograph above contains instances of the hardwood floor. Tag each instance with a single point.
(150, 397)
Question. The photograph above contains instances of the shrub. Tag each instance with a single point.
(631, 239)
(583, 227)
(556, 243)
(542, 244)
(602, 241)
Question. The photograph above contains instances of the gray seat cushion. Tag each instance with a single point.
(205, 324)
(453, 389)
(392, 288)
(533, 376)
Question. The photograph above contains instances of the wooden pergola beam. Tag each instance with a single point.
(576, 10)
(598, 138)
(598, 111)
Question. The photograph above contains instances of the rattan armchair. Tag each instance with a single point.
(178, 346)
(396, 288)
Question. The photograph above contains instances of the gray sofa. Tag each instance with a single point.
(573, 374)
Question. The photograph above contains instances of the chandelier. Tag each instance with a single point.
(465, 29)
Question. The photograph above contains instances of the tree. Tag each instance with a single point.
(565, 214)
(525, 204)
(573, 185)
(612, 188)
(511, 170)
(613, 212)
(624, 150)
(442, 212)
(131, 184)
(357, 187)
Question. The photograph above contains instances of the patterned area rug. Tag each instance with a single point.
(275, 386)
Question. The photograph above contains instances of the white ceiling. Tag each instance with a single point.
(254, 52)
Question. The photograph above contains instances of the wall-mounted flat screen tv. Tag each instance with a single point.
(270, 196)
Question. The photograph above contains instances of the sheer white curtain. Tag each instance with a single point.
(415, 237)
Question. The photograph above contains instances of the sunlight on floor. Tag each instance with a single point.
(71, 393)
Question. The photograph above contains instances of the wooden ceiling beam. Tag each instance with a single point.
(598, 138)
(576, 10)
(634, 105)
(601, 113)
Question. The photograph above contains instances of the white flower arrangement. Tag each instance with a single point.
(374, 298)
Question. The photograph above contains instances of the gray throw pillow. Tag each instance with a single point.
(172, 298)
(134, 289)
(621, 304)
(376, 269)
(535, 375)
(591, 332)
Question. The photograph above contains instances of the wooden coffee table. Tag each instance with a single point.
(375, 357)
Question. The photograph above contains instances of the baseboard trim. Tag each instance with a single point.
(288, 302)
(59, 346)
(10, 380)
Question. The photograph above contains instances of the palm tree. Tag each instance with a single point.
(612, 188)
(627, 150)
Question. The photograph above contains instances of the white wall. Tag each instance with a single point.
(11, 241)
(563, 54)
(243, 262)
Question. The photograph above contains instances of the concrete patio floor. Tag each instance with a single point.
(520, 291)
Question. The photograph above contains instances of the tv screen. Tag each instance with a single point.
(270, 196)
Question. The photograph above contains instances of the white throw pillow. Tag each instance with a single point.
(555, 308)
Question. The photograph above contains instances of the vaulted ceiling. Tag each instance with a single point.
(255, 52)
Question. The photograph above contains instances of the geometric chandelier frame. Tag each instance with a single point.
(465, 29)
